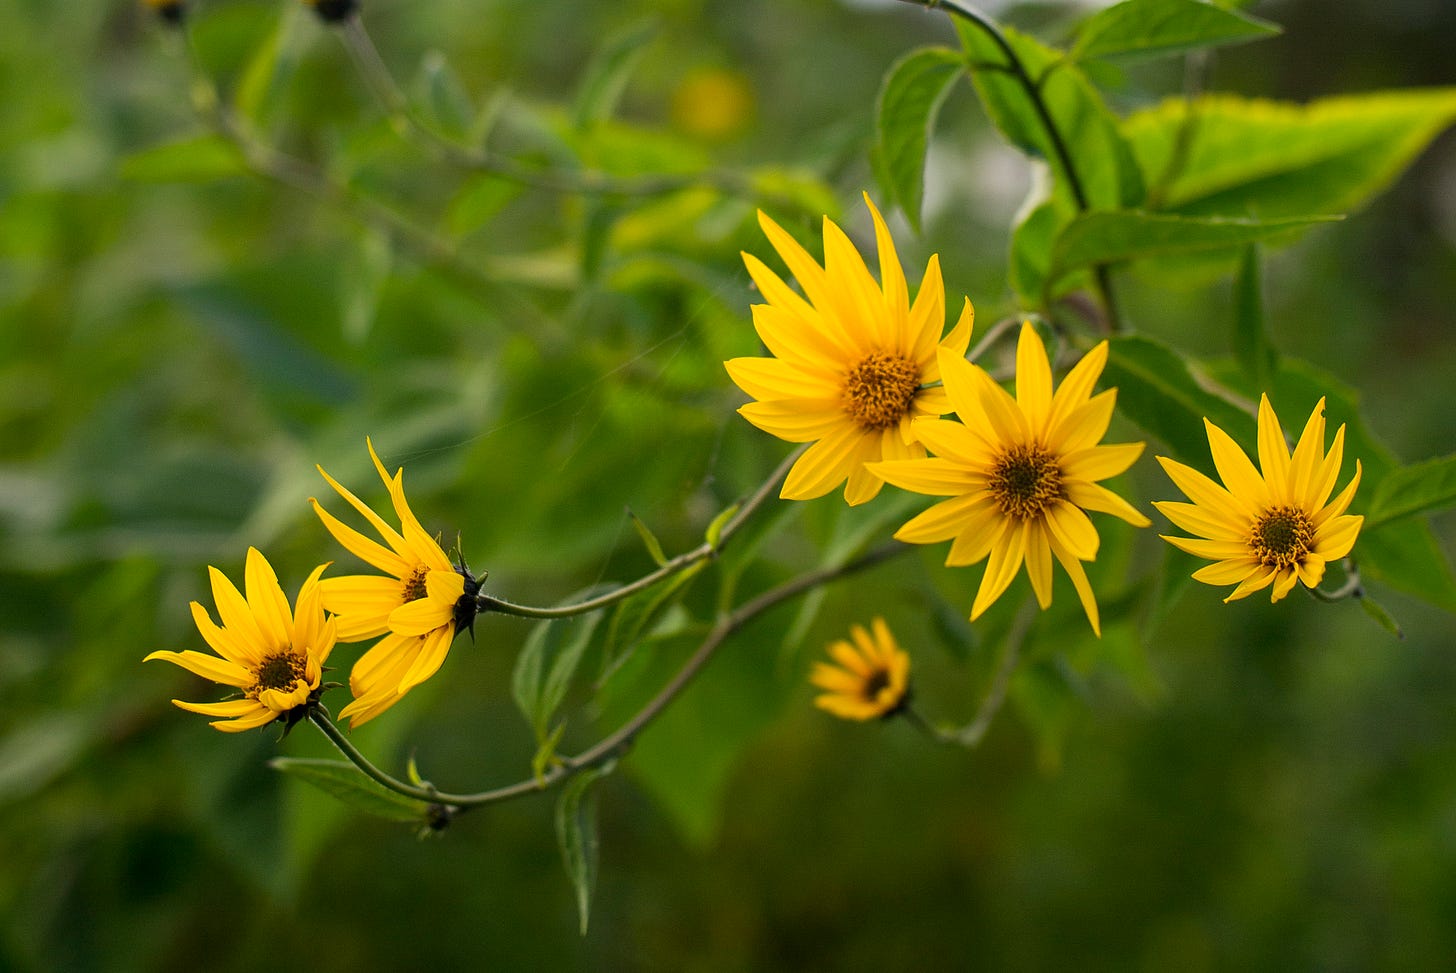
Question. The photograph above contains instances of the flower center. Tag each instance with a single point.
(873, 684)
(414, 585)
(278, 672)
(1282, 536)
(878, 391)
(1025, 481)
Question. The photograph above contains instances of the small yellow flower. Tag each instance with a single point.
(871, 679)
(419, 606)
(274, 654)
(1270, 526)
(1020, 472)
(853, 364)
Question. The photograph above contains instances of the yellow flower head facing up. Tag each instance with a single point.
(1020, 473)
(419, 605)
(853, 361)
(1270, 526)
(872, 677)
(274, 655)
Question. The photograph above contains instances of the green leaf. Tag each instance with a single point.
(1112, 237)
(1159, 28)
(199, 159)
(440, 97)
(649, 539)
(636, 615)
(365, 271)
(714, 533)
(1031, 251)
(1411, 490)
(1250, 339)
(910, 98)
(1103, 161)
(478, 202)
(545, 754)
(1156, 390)
(1235, 156)
(1382, 617)
(346, 782)
(576, 835)
(539, 688)
(607, 74)
(270, 68)
(1405, 555)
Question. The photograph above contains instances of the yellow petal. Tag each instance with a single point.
(944, 520)
(959, 377)
(1072, 529)
(207, 666)
(1074, 570)
(262, 716)
(232, 608)
(1260, 579)
(1216, 501)
(1341, 503)
(824, 465)
(956, 442)
(1001, 410)
(927, 317)
(1084, 426)
(1284, 581)
(860, 304)
(1273, 453)
(1199, 521)
(1100, 462)
(1006, 557)
(231, 707)
(1076, 387)
(1308, 455)
(1311, 570)
(1232, 571)
(1335, 539)
(388, 533)
(421, 617)
(1212, 550)
(799, 420)
(1039, 562)
(980, 530)
(1033, 379)
(432, 654)
(360, 546)
(223, 642)
(959, 339)
(892, 275)
(1092, 496)
(1241, 480)
(266, 601)
(771, 379)
(934, 476)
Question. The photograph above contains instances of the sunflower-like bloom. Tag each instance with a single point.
(853, 364)
(872, 678)
(1270, 529)
(1020, 472)
(419, 607)
(272, 653)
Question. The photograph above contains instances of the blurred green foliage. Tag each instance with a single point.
(180, 342)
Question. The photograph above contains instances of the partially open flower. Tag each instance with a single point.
(419, 605)
(273, 654)
(1272, 526)
(872, 677)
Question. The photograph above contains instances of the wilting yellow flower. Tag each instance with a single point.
(274, 654)
(421, 605)
(871, 679)
(853, 364)
(1020, 471)
(1270, 529)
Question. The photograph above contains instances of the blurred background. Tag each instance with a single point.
(1249, 788)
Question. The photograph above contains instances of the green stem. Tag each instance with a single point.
(1352, 588)
(1054, 135)
(971, 735)
(616, 743)
(489, 603)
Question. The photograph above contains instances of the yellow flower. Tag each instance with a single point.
(1270, 529)
(273, 654)
(872, 677)
(852, 364)
(422, 603)
(1020, 473)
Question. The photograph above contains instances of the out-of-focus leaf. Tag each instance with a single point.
(1411, 490)
(1103, 161)
(910, 98)
(199, 159)
(270, 67)
(539, 686)
(1031, 251)
(346, 782)
(362, 283)
(607, 74)
(35, 753)
(478, 202)
(1382, 617)
(576, 835)
(1159, 28)
(1250, 338)
(1253, 158)
(1156, 390)
(635, 616)
(440, 97)
(714, 533)
(1405, 555)
(649, 539)
(1112, 237)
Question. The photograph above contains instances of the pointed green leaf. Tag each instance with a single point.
(1113, 237)
(576, 835)
(1382, 617)
(607, 74)
(1160, 28)
(649, 539)
(1237, 156)
(910, 98)
(546, 665)
(1417, 489)
(199, 159)
(440, 97)
(1250, 339)
(346, 782)
(714, 533)
(270, 68)
(635, 616)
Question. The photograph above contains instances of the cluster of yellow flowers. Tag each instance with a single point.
(275, 656)
(865, 376)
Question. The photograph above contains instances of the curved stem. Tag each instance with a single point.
(971, 735)
(1352, 588)
(1017, 68)
(617, 742)
(703, 551)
